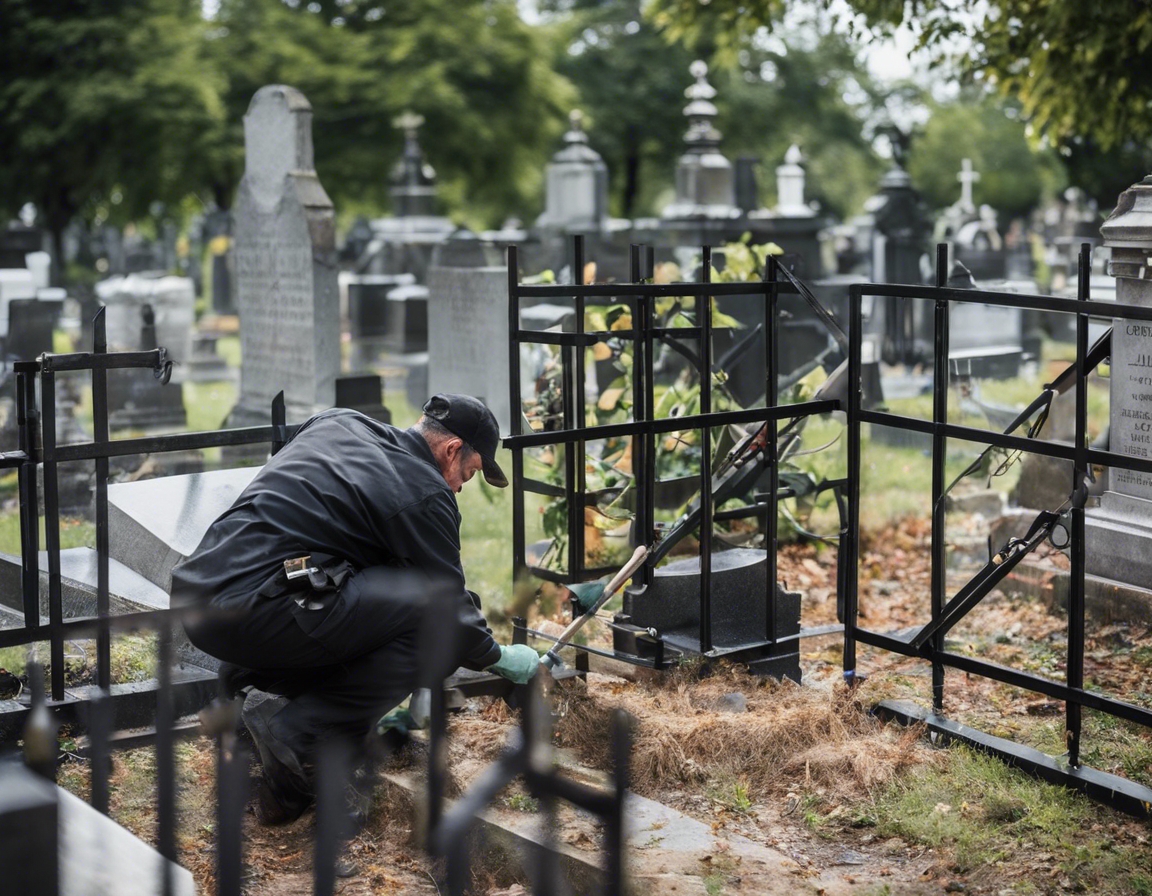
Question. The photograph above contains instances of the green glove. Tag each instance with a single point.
(517, 663)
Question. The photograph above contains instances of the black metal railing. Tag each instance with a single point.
(928, 641)
(93, 714)
(571, 432)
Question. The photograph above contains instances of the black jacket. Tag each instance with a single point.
(346, 487)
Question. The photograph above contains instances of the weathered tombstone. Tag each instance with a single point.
(364, 393)
(368, 303)
(984, 341)
(16, 242)
(218, 237)
(576, 179)
(405, 242)
(172, 300)
(468, 335)
(136, 399)
(286, 267)
(15, 284)
(1118, 534)
(30, 326)
(406, 313)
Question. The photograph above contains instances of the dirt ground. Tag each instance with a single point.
(795, 768)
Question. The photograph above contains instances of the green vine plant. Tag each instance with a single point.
(608, 472)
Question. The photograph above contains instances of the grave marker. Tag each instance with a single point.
(286, 265)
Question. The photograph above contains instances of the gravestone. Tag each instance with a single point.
(30, 326)
(984, 341)
(406, 313)
(16, 242)
(218, 237)
(405, 242)
(286, 266)
(739, 606)
(155, 523)
(364, 393)
(172, 300)
(136, 398)
(1118, 534)
(468, 336)
(15, 284)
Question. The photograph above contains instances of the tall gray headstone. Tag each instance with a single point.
(468, 335)
(1119, 532)
(286, 265)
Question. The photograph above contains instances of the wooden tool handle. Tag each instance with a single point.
(625, 573)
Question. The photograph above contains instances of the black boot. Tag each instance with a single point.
(285, 791)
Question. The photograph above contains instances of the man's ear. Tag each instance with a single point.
(452, 448)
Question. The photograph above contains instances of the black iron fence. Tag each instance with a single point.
(1064, 526)
(96, 714)
(565, 426)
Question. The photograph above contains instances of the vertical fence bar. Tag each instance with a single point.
(640, 410)
(52, 530)
(165, 754)
(704, 322)
(1075, 671)
(574, 419)
(851, 540)
(100, 439)
(99, 729)
(331, 815)
(646, 314)
(939, 419)
(771, 399)
(614, 823)
(26, 420)
(515, 417)
(231, 795)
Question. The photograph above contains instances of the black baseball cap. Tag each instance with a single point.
(471, 420)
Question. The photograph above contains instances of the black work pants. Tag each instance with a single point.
(341, 667)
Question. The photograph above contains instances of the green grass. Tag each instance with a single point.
(981, 812)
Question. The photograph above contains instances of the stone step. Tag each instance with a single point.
(664, 850)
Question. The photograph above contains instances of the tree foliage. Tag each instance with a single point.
(100, 99)
(816, 95)
(1014, 176)
(632, 81)
(631, 87)
(478, 74)
(1079, 69)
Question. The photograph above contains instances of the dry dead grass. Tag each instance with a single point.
(790, 737)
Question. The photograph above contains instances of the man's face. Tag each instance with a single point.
(457, 470)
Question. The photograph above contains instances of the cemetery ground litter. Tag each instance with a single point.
(852, 805)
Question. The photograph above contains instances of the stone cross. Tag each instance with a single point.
(967, 178)
(286, 265)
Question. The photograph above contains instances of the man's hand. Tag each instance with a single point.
(517, 663)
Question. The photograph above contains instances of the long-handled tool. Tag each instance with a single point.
(586, 591)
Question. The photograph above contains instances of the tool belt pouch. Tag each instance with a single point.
(311, 581)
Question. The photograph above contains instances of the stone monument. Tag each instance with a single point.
(1118, 533)
(286, 265)
(468, 335)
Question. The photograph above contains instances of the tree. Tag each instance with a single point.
(475, 71)
(101, 97)
(1014, 176)
(632, 83)
(1078, 69)
(814, 93)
